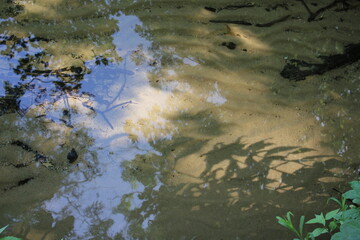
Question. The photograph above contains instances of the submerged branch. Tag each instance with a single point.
(230, 7)
(313, 15)
(269, 24)
(240, 22)
(298, 70)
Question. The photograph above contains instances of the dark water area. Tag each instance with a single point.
(175, 119)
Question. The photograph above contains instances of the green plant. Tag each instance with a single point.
(342, 223)
(287, 222)
(7, 238)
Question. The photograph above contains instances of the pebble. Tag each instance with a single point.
(72, 156)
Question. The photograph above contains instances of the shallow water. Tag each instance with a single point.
(182, 125)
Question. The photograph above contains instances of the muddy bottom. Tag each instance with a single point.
(175, 119)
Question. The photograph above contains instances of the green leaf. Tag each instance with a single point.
(331, 214)
(344, 206)
(352, 194)
(355, 185)
(339, 215)
(288, 223)
(284, 223)
(288, 216)
(318, 231)
(332, 226)
(318, 219)
(352, 214)
(335, 200)
(301, 225)
(349, 230)
(3, 229)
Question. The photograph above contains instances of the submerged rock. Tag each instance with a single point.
(229, 45)
(72, 156)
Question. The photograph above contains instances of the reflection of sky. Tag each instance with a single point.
(112, 85)
(190, 62)
(106, 189)
(126, 39)
(6, 71)
(215, 96)
(121, 92)
(6, 20)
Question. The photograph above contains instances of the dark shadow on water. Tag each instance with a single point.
(240, 190)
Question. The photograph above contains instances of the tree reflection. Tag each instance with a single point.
(33, 164)
(46, 51)
(10, 102)
(52, 43)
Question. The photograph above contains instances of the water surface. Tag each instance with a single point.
(182, 124)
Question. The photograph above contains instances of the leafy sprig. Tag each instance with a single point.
(342, 223)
